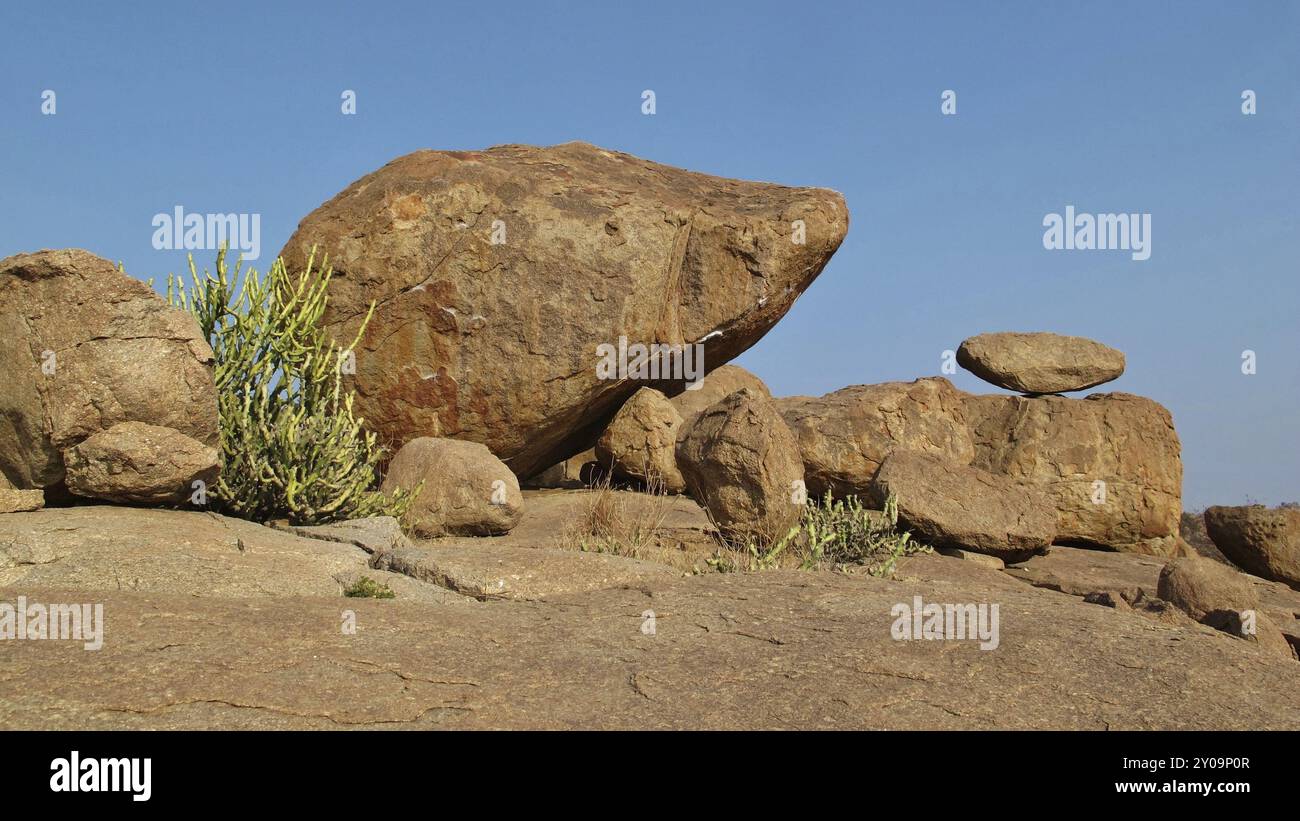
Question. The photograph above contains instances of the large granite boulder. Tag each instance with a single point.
(84, 347)
(1110, 463)
(742, 465)
(845, 436)
(1040, 362)
(497, 274)
(956, 506)
(463, 489)
(139, 463)
(639, 443)
(1259, 540)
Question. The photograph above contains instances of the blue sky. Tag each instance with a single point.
(1110, 107)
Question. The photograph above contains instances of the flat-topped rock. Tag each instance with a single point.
(952, 505)
(1040, 362)
(99, 548)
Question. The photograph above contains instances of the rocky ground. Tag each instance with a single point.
(216, 623)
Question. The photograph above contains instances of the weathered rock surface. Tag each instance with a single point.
(139, 463)
(103, 548)
(1110, 463)
(1202, 587)
(488, 571)
(374, 534)
(1259, 540)
(1040, 362)
(845, 436)
(741, 463)
(1079, 571)
(466, 490)
(84, 347)
(403, 587)
(1220, 597)
(784, 649)
(982, 559)
(641, 440)
(952, 505)
(19, 501)
(1133, 578)
(718, 385)
(497, 273)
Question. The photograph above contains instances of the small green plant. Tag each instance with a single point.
(837, 533)
(290, 444)
(751, 558)
(367, 588)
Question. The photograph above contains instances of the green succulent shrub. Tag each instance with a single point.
(836, 533)
(291, 446)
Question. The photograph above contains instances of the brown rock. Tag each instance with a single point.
(373, 534)
(1259, 540)
(953, 505)
(1078, 572)
(741, 463)
(138, 463)
(191, 553)
(1109, 462)
(491, 571)
(84, 347)
(1136, 578)
(1202, 588)
(845, 436)
(1040, 362)
(992, 562)
(639, 443)
(466, 490)
(1257, 628)
(718, 385)
(19, 501)
(497, 273)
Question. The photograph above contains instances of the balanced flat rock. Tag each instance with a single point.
(1040, 362)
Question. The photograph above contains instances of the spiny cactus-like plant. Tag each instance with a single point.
(290, 444)
(833, 533)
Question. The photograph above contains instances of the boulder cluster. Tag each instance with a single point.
(1002, 475)
(496, 276)
(108, 391)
